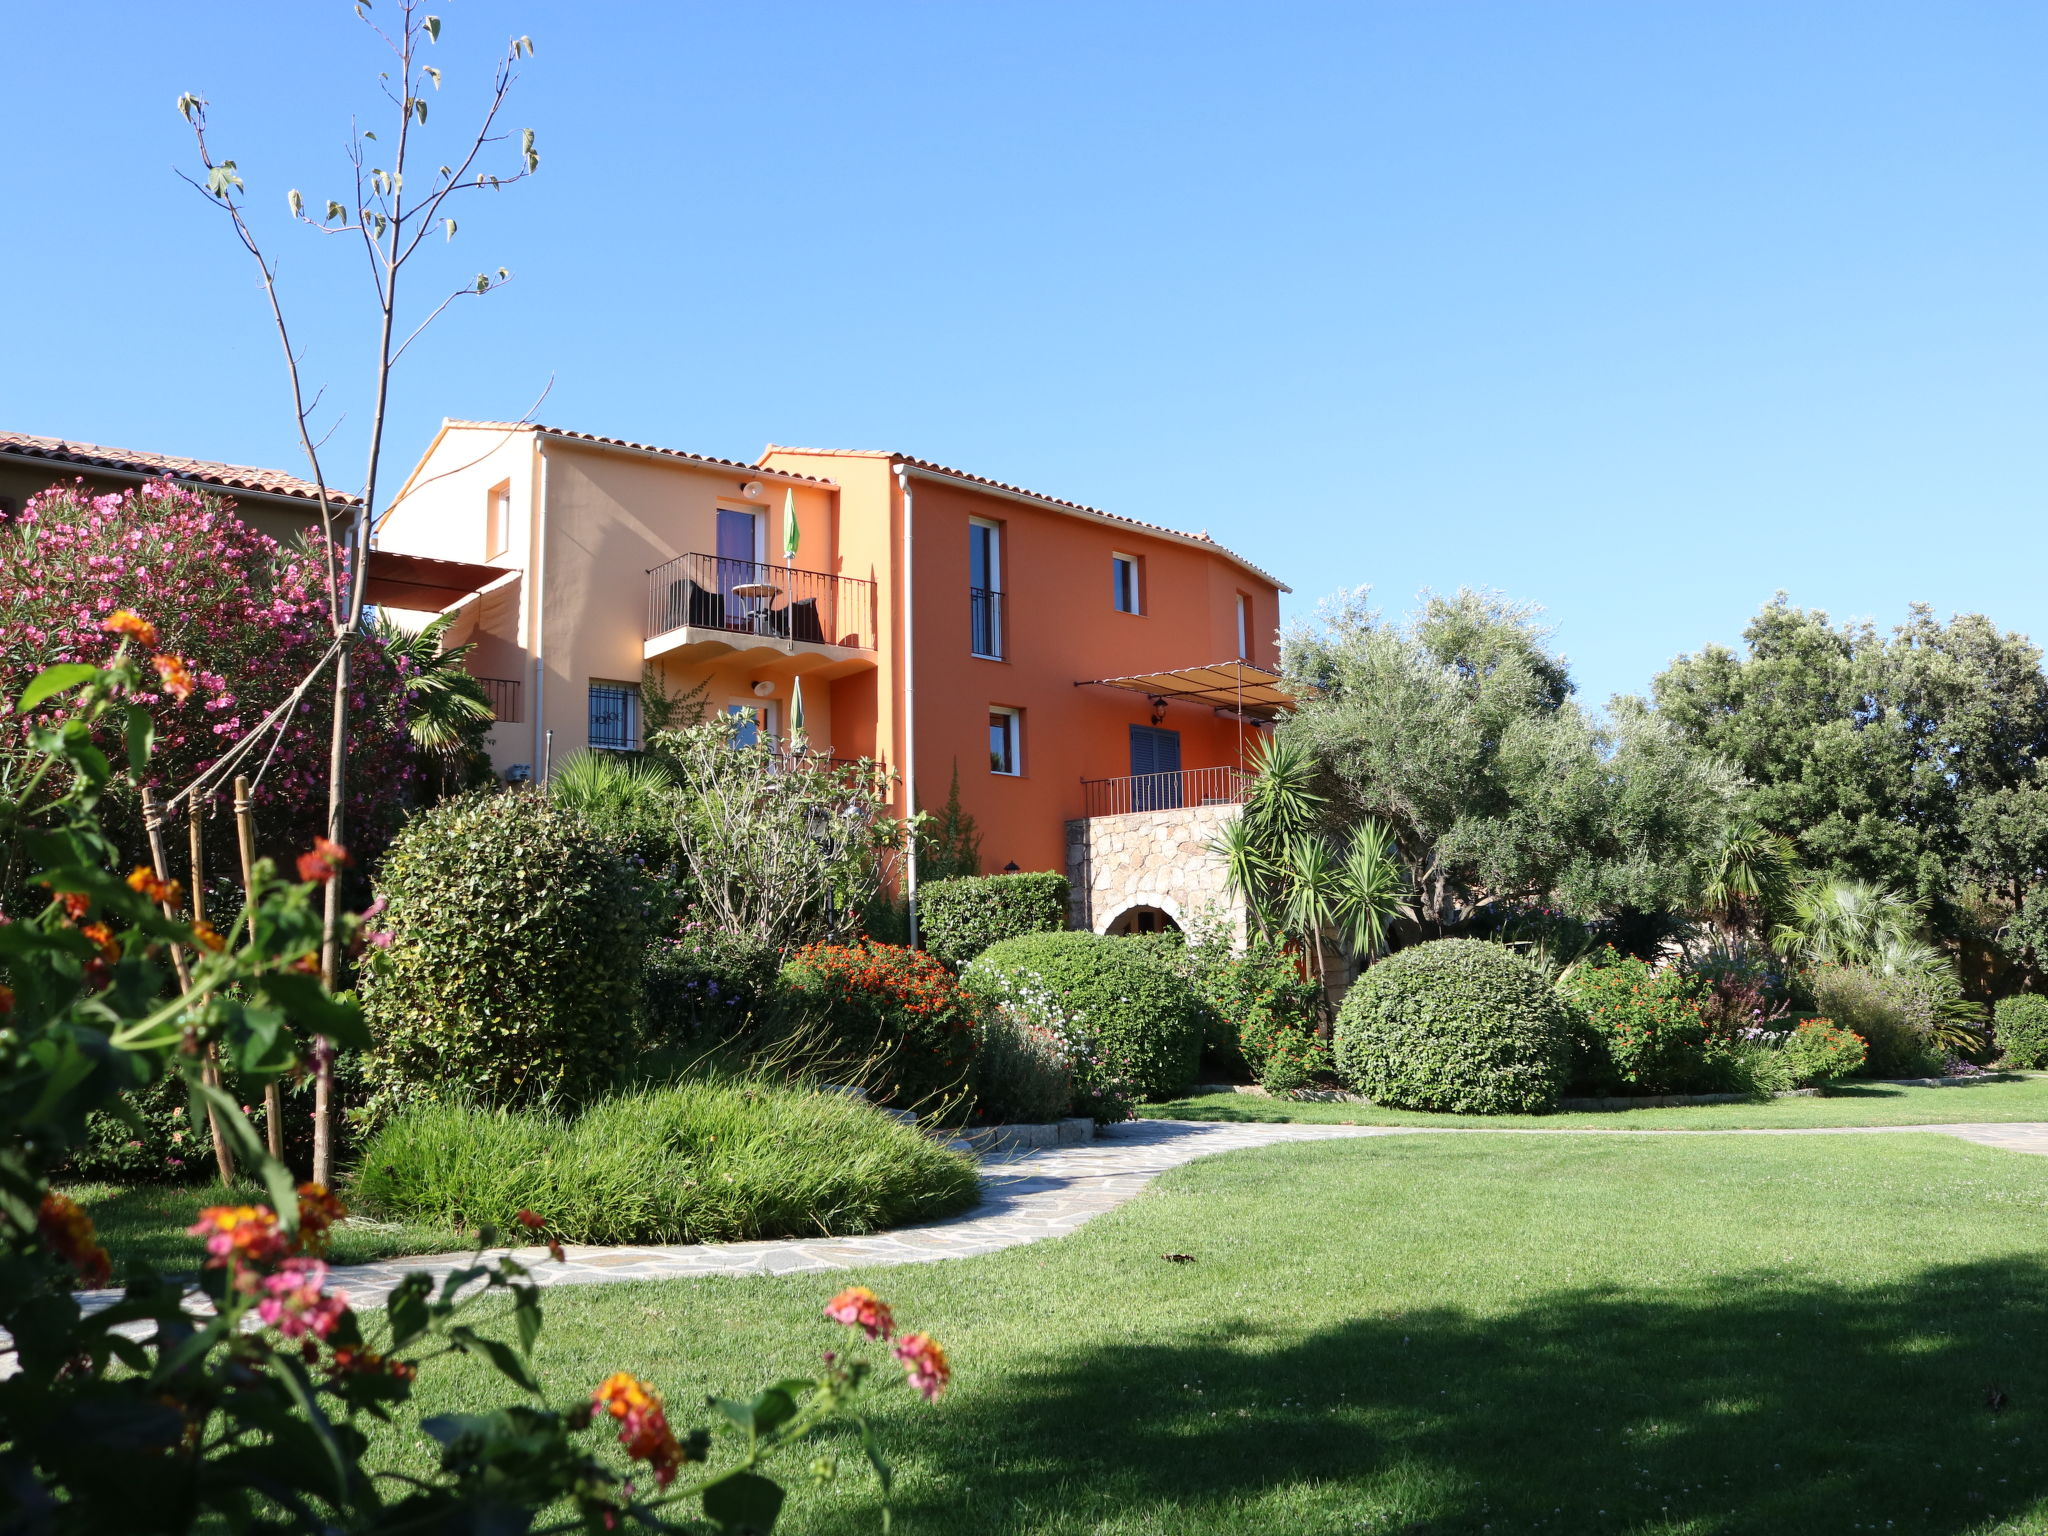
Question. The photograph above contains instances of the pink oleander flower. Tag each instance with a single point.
(859, 1307)
(927, 1364)
(295, 1300)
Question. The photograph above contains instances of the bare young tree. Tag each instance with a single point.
(394, 211)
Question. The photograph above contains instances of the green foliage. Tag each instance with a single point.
(1460, 1025)
(1847, 922)
(1022, 1071)
(1457, 730)
(949, 846)
(1819, 1051)
(699, 1161)
(514, 968)
(1895, 1014)
(2021, 1029)
(1644, 1030)
(448, 714)
(1270, 1014)
(1754, 875)
(1143, 1016)
(893, 1018)
(704, 985)
(958, 918)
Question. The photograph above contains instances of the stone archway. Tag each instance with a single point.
(1142, 917)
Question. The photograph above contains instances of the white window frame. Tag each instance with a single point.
(1016, 741)
(632, 703)
(1244, 626)
(1137, 594)
(994, 587)
(498, 521)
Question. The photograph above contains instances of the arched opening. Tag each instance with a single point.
(1142, 920)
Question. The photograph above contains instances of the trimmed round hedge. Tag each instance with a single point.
(513, 972)
(1143, 1017)
(2020, 1025)
(1458, 1026)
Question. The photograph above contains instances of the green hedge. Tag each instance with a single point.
(2020, 1025)
(959, 918)
(701, 1161)
(1142, 1017)
(1456, 1025)
(515, 961)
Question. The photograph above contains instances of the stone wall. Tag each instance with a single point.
(1150, 859)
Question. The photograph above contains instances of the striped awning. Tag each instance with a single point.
(1230, 685)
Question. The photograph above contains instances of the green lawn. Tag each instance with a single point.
(1422, 1334)
(1859, 1104)
(147, 1222)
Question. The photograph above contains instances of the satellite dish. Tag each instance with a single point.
(753, 490)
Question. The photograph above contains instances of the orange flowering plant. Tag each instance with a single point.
(238, 1401)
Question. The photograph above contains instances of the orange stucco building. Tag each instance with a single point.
(936, 619)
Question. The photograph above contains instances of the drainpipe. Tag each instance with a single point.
(909, 692)
(536, 570)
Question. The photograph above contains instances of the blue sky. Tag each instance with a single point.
(1639, 312)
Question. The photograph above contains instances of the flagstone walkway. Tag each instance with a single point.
(1026, 1196)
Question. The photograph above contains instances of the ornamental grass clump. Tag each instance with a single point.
(696, 1162)
(1456, 1025)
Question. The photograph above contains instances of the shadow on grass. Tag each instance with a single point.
(1736, 1405)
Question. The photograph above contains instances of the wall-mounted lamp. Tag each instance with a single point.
(763, 688)
(753, 490)
(1010, 868)
(1158, 710)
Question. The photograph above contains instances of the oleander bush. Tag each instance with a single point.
(703, 1160)
(1143, 1018)
(1895, 1014)
(513, 969)
(892, 1019)
(959, 918)
(2020, 1025)
(1456, 1025)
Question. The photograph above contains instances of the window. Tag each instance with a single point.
(498, 520)
(1244, 627)
(985, 589)
(1003, 755)
(614, 716)
(756, 721)
(739, 549)
(1123, 583)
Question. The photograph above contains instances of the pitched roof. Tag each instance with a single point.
(234, 477)
(1201, 540)
(620, 442)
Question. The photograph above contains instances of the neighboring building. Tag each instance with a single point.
(267, 499)
(1074, 666)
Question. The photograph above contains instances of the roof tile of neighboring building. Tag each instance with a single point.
(620, 442)
(235, 477)
(1018, 490)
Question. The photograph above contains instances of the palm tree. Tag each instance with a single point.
(1846, 922)
(1755, 875)
(447, 711)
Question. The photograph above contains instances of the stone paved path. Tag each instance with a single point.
(1027, 1196)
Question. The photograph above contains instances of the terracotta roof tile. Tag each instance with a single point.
(1201, 538)
(620, 442)
(234, 477)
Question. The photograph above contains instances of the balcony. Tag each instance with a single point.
(774, 616)
(985, 622)
(1164, 791)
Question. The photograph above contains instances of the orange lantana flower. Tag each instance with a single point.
(123, 621)
(175, 677)
(68, 1232)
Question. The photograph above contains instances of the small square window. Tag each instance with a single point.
(1123, 581)
(1003, 744)
(614, 717)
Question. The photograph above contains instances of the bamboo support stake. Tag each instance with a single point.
(153, 824)
(245, 833)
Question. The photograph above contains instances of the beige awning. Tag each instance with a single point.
(1232, 685)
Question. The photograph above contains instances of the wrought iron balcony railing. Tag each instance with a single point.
(753, 597)
(503, 692)
(985, 622)
(1164, 791)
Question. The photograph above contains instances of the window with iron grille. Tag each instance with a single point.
(614, 716)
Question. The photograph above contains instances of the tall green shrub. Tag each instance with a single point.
(2022, 1030)
(1644, 1030)
(1142, 1016)
(1456, 1025)
(957, 919)
(1895, 1014)
(514, 967)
